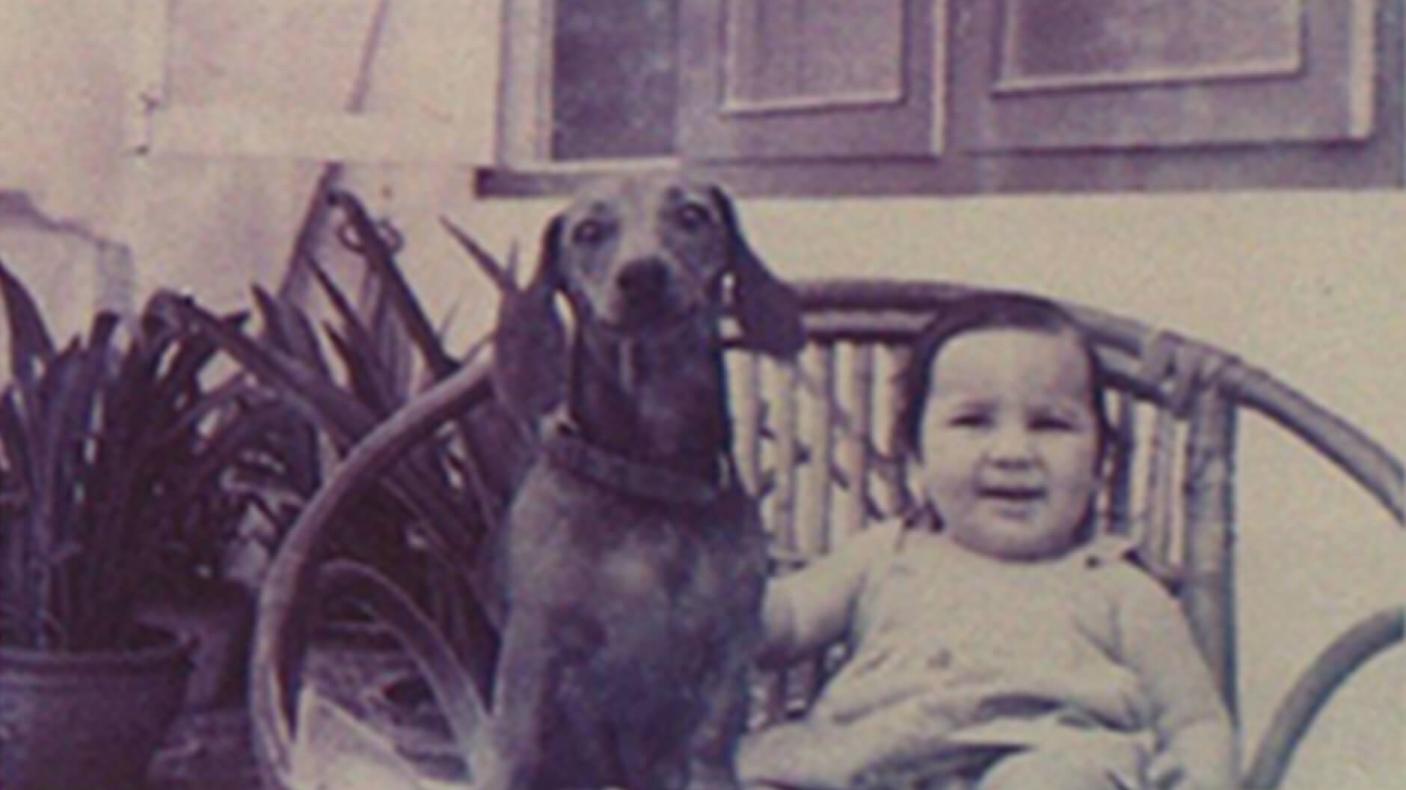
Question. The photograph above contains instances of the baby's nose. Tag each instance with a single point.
(1011, 444)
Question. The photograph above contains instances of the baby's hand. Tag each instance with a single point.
(1114, 694)
(1181, 766)
(1165, 771)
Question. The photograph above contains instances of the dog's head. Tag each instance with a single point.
(637, 257)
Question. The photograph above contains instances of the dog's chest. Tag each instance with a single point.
(585, 539)
(640, 571)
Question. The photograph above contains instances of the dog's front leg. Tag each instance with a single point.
(712, 753)
(516, 745)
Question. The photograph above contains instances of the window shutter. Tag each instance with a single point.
(810, 78)
(1121, 74)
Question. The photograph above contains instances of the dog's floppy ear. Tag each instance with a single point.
(766, 308)
(529, 346)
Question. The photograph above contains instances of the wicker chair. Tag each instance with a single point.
(811, 439)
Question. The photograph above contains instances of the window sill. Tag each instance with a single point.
(1369, 165)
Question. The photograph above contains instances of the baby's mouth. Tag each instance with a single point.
(1011, 494)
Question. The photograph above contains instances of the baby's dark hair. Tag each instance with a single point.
(983, 311)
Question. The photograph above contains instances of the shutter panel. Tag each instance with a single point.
(810, 78)
(1101, 74)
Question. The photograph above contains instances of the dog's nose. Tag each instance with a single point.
(643, 279)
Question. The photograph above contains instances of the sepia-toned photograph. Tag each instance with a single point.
(726, 394)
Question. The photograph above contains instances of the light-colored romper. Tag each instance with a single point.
(1083, 657)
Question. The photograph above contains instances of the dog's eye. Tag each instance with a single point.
(589, 232)
(692, 216)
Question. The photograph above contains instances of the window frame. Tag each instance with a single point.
(1378, 161)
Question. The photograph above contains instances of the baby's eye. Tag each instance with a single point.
(1051, 422)
(969, 420)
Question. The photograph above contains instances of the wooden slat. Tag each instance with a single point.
(815, 532)
(857, 440)
(784, 396)
(807, 519)
(1208, 596)
(785, 402)
(1121, 456)
(824, 453)
(746, 381)
(1159, 511)
(747, 416)
(895, 496)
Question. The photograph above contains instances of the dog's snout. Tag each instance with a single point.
(645, 278)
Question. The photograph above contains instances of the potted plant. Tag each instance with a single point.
(443, 498)
(221, 491)
(110, 448)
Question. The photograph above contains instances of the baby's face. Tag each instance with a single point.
(1010, 442)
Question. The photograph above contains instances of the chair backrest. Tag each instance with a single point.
(813, 440)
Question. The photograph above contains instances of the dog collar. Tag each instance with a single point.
(567, 450)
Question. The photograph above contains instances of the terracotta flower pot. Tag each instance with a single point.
(71, 720)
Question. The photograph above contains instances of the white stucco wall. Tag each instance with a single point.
(1309, 286)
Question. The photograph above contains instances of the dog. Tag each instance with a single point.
(633, 562)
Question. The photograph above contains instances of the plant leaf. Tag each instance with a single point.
(221, 449)
(343, 417)
(29, 338)
(287, 329)
(15, 452)
(378, 256)
(371, 380)
(499, 275)
(368, 379)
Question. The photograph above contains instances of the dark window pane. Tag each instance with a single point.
(1075, 42)
(615, 79)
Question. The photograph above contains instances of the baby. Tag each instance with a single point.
(995, 623)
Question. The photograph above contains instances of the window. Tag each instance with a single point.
(954, 96)
(620, 98)
(600, 80)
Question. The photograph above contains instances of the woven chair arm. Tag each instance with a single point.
(1329, 671)
(292, 576)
